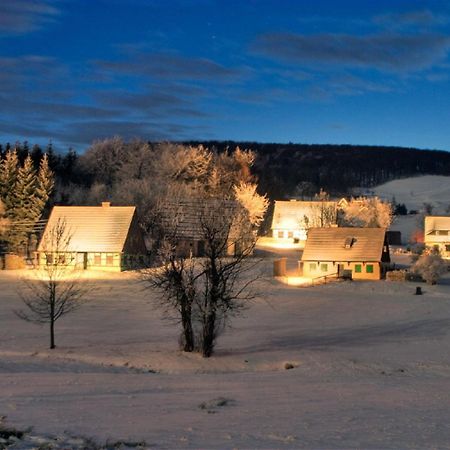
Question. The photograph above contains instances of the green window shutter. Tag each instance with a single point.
(369, 268)
(358, 268)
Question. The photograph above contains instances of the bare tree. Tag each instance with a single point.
(225, 282)
(175, 283)
(55, 289)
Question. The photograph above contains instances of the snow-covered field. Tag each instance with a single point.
(371, 370)
(415, 191)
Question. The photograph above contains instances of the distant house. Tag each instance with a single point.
(292, 219)
(437, 234)
(101, 238)
(362, 253)
(183, 222)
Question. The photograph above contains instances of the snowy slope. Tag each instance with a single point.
(416, 191)
(371, 370)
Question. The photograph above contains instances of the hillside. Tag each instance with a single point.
(286, 170)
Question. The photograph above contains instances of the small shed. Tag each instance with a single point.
(100, 238)
(437, 234)
(362, 253)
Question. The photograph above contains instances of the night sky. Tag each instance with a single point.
(356, 72)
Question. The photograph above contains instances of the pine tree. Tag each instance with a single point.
(25, 211)
(9, 168)
(44, 186)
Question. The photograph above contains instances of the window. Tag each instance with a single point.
(290, 234)
(62, 259)
(358, 268)
(97, 259)
(447, 248)
(369, 268)
(324, 267)
(281, 234)
(109, 259)
(442, 233)
(312, 267)
(49, 258)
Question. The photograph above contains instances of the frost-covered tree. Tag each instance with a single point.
(254, 204)
(371, 212)
(430, 266)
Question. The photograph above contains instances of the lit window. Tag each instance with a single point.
(358, 268)
(109, 259)
(369, 268)
(290, 234)
(281, 234)
(97, 259)
(49, 258)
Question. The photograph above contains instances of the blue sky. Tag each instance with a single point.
(357, 72)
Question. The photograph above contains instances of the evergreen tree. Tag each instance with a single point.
(9, 168)
(25, 210)
(44, 186)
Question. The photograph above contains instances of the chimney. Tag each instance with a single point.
(106, 204)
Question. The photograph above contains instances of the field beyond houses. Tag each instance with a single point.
(340, 365)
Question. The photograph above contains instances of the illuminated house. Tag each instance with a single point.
(292, 219)
(359, 253)
(437, 234)
(100, 238)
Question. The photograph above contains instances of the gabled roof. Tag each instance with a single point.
(183, 218)
(344, 244)
(434, 223)
(91, 228)
(290, 214)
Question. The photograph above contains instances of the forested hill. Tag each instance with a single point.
(299, 169)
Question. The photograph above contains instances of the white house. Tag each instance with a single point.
(437, 234)
(291, 219)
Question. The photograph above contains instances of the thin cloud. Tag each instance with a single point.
(169, 66)
(24, 16)
(384, 52)
(422, 18)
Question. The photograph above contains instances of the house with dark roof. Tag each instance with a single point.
(437, 234)
(359, 253)
(95, 237)
(185, 222)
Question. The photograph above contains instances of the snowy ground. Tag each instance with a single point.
(371, 370)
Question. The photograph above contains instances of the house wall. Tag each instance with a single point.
(314, 269)
(442, 245)
(110, 262)
(291, 233)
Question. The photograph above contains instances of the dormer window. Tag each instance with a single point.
(349, 241)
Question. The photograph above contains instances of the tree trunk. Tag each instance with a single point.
(187, 328)
(52, 333)
(209, 334)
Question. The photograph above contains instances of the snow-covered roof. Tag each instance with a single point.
(344, 244)
(435, 223)
(91, 228)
